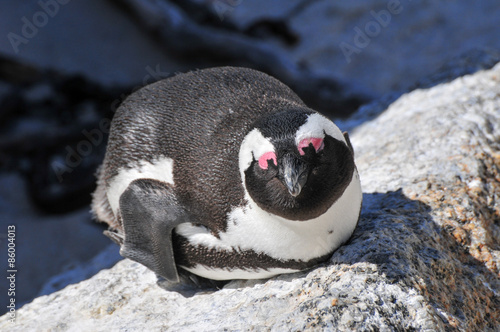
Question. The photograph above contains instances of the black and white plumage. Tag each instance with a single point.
(225, 172)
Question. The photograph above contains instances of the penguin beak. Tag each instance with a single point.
(294, 173)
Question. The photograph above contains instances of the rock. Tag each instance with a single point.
(78, 272)
(248, 15)
(52, 132)
(374, 44)
(52, 139)
(336, 55)
(377, 46)
(77, 38)
(424, 257)
(461, 65)
(45, 244)
(184, 35)
(461, 186)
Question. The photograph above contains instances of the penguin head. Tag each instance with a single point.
(295, 164)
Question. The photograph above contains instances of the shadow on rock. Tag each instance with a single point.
(397, 242)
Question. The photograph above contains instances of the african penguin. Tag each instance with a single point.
(227, 174)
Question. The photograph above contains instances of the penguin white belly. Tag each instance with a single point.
(227, 274)
(251, 228)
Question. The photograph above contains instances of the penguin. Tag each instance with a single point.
(225, 173)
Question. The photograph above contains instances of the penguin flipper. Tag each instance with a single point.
(150, 212)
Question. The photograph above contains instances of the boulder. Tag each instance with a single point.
(76, 38)
(375, 46)
(425, 256)
(45, 245)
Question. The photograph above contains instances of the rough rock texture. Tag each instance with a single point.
(424, 257)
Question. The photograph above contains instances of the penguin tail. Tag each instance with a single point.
(100, 208)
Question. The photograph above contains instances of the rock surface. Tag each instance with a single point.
(77, 38)
(424, 257)
(45, 245)
(412, 41)
(53, 130)
(378, 46)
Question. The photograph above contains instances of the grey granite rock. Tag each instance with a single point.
(424, 257)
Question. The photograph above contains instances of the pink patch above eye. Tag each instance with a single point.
(265, 157)
(316, 142)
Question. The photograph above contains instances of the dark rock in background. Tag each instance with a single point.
(210, 45)
(53, 131)
(52, 138)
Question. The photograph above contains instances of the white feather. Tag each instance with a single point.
(316, 125)
(253, 146)
(225, 274)
(160, 169)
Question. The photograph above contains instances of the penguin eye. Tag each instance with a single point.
(317, 143)
(264, 159)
